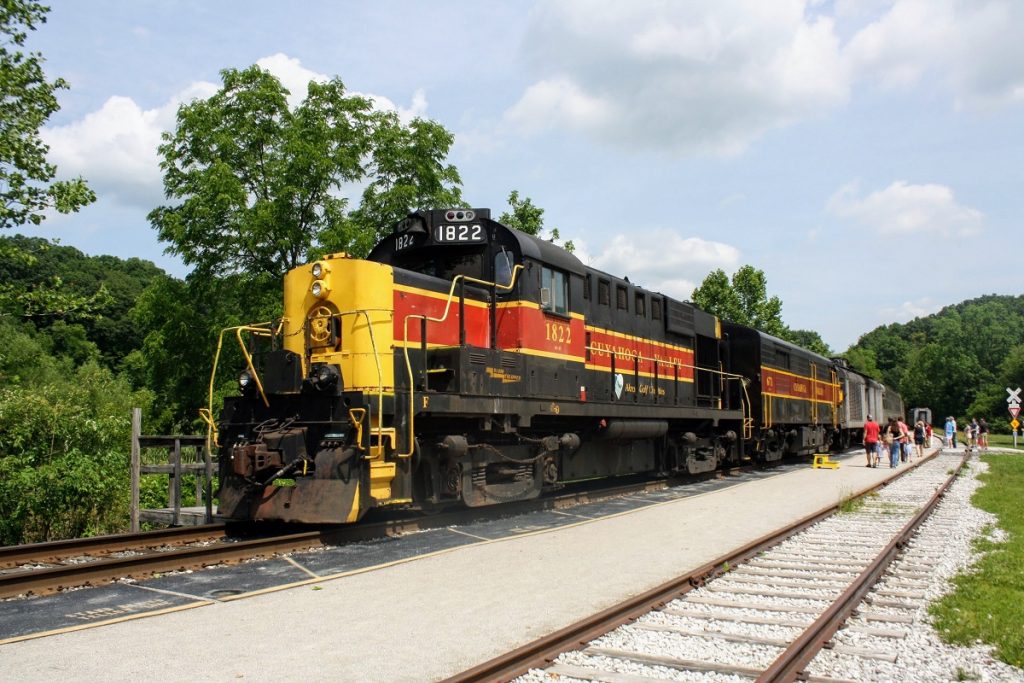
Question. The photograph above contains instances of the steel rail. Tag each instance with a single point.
(103, 570)
(789, 665)
(56, 551)
(541, 652)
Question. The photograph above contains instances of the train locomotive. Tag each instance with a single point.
(465, 362)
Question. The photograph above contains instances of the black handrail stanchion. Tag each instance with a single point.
(655, 380)
(612, 376)
(636, 378)
(423, 353)
(462, 312)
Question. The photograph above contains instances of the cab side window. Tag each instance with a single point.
(554, 293)
(503, 268)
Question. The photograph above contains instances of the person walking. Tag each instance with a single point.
(968, 437)
(983, 434)
(892, 440)
(871, 431)
(904, 439)
(950, 433)
(919, 436)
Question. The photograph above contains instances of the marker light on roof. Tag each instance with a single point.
(460, 215)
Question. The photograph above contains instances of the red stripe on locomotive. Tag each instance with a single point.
(446, 333)
(604, 343)
(792, 386)
(528, 328)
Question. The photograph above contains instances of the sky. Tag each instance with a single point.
(866, 155)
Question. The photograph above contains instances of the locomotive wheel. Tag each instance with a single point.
(550, 470)
(451, 480)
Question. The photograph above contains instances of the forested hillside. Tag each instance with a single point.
(958, 361)
(69, 376)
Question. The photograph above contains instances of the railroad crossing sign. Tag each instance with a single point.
(1014, 400)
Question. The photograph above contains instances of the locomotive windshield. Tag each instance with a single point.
(443, 262)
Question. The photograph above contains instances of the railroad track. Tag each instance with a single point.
(81, 549)
(765, 611)
(50, 567)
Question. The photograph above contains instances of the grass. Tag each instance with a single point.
(1006, 440)
(987, 602)
(847, 502)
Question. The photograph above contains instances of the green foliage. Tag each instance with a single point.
(64, 444)
(94, 294)
(183, 319)
(256, 182)
(259, 186)
(529, 218)
(744, 299)
(408, 170)
(957, 361)
(986, 603)
(991, 398)
(27, 185)
(808, 339)
(863, 360)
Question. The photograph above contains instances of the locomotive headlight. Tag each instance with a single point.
(319, 289)
(244, 380)
(318, 270)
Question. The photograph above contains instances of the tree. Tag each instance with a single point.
(863, 361)
(257, 183)
(941, 378)
(27, 185)
(742, 300)
(991, 400)
(64, 469)
(529, 218)
(259, 187)
(956, 361)
(808, 339)
(408, 170)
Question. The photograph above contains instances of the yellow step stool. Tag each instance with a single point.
(821, 461)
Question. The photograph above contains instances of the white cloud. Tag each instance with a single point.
(559, 102)
(115, 147)
(904, 209)
(296, 79)
(293, 76)
(909, 310)
(702, 76)
(973, 47)
(712, 76)
(665, 261)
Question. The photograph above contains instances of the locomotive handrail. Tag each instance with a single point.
(745, 405)
(365, 312)
(206, 414)
(447, 308)
(726, 375)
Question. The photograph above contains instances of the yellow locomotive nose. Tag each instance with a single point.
(350, 327)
